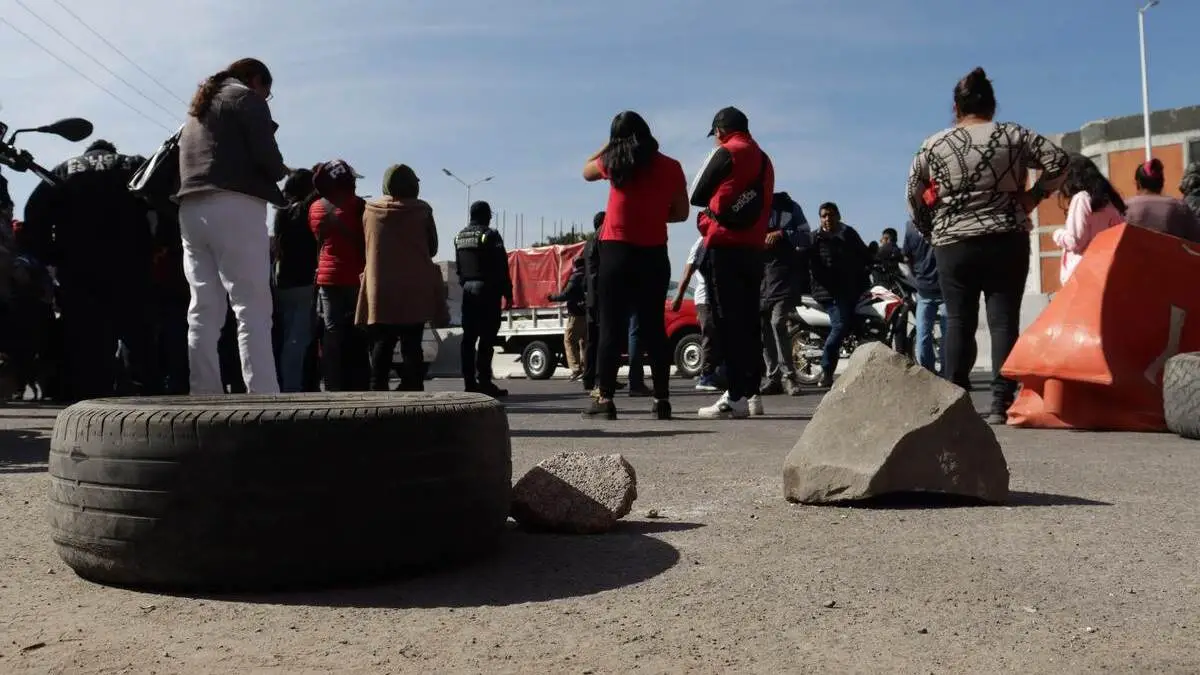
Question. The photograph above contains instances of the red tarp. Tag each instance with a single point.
(1094, 357)
(539, 272)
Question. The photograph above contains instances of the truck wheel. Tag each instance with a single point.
(262, 492)
(1181, 394)
(688, 356)
(538, 360)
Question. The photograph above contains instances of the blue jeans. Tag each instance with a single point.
(637, 372)
(841, 324)
(296, 317)
(929, 310)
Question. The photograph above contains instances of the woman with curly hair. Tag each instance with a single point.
(1094, 207)
(647, 190)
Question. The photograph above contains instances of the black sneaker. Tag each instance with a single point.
(771, 388)
(492, 390)
(661, 408)
(597, 408)
(640, 391)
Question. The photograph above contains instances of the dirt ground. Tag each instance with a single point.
(1091, 569)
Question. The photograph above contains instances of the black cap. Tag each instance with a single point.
(480, 212)
(729, 119)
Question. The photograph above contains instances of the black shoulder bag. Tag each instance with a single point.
(746, 209)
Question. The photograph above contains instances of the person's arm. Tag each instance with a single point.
(715, 171)
(41, 216)
(593, 168)
(1074, 236)
(260, 136)
(919, 181)
(680, 208)
(501, 254)
(431, 234)
(1043, 154)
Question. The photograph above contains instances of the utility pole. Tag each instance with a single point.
(1145, 83)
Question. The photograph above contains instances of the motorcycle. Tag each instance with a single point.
(23, 282)
(882, 313)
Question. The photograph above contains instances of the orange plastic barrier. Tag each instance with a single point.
(1094, 357)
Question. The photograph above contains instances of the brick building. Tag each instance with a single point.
(1118, 147)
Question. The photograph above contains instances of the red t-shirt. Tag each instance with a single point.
(637, 211)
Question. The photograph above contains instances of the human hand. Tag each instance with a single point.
(774, 236)
(1027, 201)
(677, 303)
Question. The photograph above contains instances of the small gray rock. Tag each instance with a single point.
(575, 493)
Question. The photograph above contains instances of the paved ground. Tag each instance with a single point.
(1092, 568)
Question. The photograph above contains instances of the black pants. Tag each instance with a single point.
(733, 276)
(344, 359)
(592, 347)
(480, 322)
(633, 280)
(383, 345)
(995, 265)
(95, 317)
(171, 340)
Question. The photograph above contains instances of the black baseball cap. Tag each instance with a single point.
(729, 119)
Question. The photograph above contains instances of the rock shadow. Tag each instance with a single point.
(529, 567)
(935, 500)
(23, 451)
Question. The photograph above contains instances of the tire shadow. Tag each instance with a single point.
(529, 567)
(604, 433)
(23, 450)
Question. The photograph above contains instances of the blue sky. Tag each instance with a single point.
(840, 92)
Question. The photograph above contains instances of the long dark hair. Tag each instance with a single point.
(631, 146)
(974, 95)
(1084, 176)
(244, 70)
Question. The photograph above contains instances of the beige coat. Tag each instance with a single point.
(400, 284)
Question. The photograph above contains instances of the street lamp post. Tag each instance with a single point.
(478, 182)
(1145, 84)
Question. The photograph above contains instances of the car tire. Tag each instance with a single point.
(538, 361)
(265, 492)
(1181, 394)
(689, 357)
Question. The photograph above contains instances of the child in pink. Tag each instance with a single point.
(1095, 206)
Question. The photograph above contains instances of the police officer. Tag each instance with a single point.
(482, 266)
(98, 236)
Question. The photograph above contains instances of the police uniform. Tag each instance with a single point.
(482, 265)
(98, 236)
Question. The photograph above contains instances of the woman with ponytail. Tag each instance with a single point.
(647, 190)
(1151, 209)
(229, 167)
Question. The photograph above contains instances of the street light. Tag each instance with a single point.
(1145, 85)
(478, 182)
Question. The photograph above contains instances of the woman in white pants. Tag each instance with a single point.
(229, 167)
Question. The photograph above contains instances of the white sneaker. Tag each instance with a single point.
(725, 409)
(754, 405)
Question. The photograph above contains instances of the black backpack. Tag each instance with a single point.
(157, 180)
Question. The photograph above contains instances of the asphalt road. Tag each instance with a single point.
(1091, 568)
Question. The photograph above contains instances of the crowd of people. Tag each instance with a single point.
(118, 293)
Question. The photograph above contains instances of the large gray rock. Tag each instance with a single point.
(576, 493)
(890, 427)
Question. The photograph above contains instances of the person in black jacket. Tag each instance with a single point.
(591, 273)
(839, 264)
(482, 264)
(97, 235)
(574, 293)
(919, 254)
(788, 240)
(296, 251)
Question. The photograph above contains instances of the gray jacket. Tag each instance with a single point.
(233, 148)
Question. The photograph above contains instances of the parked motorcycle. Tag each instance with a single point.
(882, 313)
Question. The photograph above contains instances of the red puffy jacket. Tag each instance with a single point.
(342, 258)
(732, 168)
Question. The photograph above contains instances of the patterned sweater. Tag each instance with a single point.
(977, 173)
